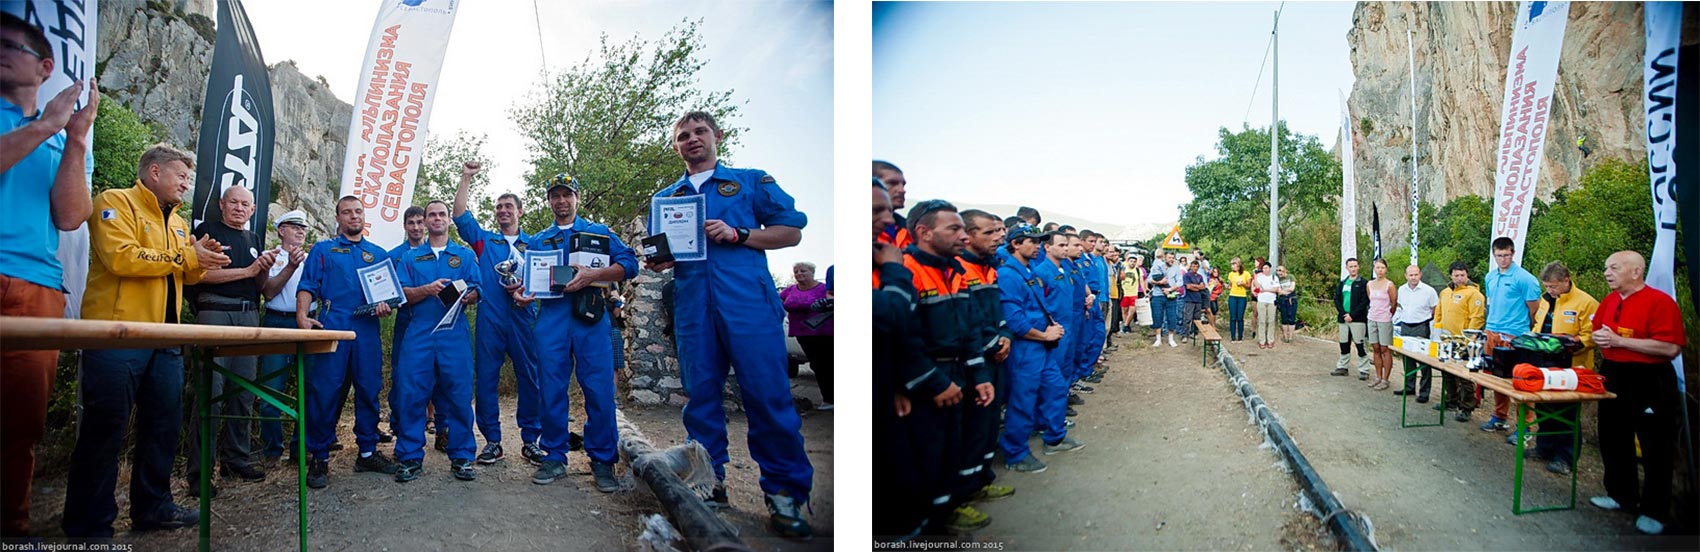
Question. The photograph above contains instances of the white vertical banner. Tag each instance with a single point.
(1536, 39)
(386, 135)
(1411, 53)
(1348, 190)
(1664, 37)
(70, 29)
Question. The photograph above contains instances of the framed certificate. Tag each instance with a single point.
(380, 285)
(680, 219)
(538, 265)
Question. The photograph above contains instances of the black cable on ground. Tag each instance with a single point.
(1347, 526)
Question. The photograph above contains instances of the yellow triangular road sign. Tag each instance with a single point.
(1174, 240)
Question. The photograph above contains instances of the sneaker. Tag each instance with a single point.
(989, 493)
(442, 444)
(377, 462)
(824, 407)
(1087, 389)
(604, 474)
(1027, 465)
(1157, 342)
(1605, 503)
(549, 472)
(1071, 413)
(1338, 372)
(385, 437)
(1528, 440)
(966, 518)
(1649, 525)
(1172, 341)
(492, 453)
(785, 517)
(1068, 424)
(1096, 377)
(1422, 399)
(1403, 392)
(718, 499)
(1495, 424)
(318, 473)
(1559, 466)
(1065, 445)
(463, 470)
(178, 518)
(408, 470)
(1363, 376)
(533, 453)
(1462, 416)
(1439, 407)
(244, 472)
(1075, 400)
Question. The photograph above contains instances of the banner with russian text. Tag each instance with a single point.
(1659, 69)
(1348, 190)
(1536, 39)
(70, 29)
(235, 145)
(386, 135)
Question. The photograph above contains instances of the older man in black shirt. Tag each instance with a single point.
(230, 296)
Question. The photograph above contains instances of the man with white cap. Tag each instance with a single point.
(279, 292)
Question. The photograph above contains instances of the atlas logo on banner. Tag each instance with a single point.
(1535, 46)
(237, 132)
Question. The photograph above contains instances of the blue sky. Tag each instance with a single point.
(1090, 109)
(776, 54)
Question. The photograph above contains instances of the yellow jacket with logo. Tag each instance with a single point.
(1574, 315)
(1461, 308)
(134, 249)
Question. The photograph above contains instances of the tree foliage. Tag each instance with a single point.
(120, 137)
(1230, 205)
(608, 120)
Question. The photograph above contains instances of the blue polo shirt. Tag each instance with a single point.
(29, 243)
(1507, 294)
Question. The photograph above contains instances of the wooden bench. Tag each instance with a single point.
(1523, 400)
(1212, 340)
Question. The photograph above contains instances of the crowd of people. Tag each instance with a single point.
(147, 263)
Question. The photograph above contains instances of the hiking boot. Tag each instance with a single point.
(785, 517)
(966, 518)
(241, 471)
(1494, 424)
(1087, 389)
(408, 470)
(1030, 464)
(1559, 466)
(178, 518)
(1075, 400)
(604, 474)
(718, 500)
(463, 470)
(318, 473)
(533, 453)
(1338, 372)
(377, 462)
(991, 492)
(549, 472)
(492, 453)
(1065, 445)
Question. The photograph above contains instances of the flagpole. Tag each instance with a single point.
(1274, 140)
(1412, 53)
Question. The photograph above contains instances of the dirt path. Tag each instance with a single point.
(501, 510)
(1433, 488)
(1170, 464)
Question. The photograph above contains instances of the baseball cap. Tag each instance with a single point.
(296, 217)
(1025, 230)
(561, 179)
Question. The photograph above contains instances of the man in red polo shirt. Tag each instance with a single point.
(1639, 331)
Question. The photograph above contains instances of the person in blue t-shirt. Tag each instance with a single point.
(1513, 297)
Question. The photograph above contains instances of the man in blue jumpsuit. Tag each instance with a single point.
(413, 221)
(1080, 291)
(504, 329)
(1097, 282)
(436, 365)
(721, 321)
(571, 334)
(332, 281)
(1033, 288)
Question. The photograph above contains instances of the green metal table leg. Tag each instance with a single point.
(1405, 400)
(1570, 418)
(1517, 486)
(301, 441)
(203, 404)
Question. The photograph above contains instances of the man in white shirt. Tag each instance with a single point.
(1416, 311)
(279, 291)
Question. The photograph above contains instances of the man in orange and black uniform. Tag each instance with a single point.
(909, 396)
(898, 232)
(980, 262)
(944, 319)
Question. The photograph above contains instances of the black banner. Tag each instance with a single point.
(236, 139)
(1688, 125)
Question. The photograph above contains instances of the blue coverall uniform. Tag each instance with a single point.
(1033, 371)
(566, 344)
(399, 340)
(1076, 271)
(333, 280)
(728, 313)
(504, 330)
(1092, 335)
(435, 366)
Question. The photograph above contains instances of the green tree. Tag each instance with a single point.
(1230, 206)
(439, 175)
(608, 120)
(120, 137)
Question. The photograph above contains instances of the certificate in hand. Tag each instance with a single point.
(538, 265)
(380, 284)
(681, 219)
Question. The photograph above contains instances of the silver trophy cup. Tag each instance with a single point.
(506, 270)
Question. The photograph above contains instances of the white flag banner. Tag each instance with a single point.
(70, 29)
(1664, 34)
(386, 135)
(1348, 190)
(1536, 39)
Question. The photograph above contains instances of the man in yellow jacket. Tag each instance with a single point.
(142, 256)
(1462, 307)
(1565, 309)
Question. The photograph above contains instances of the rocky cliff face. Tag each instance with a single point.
(154, 57)
(1461, 52)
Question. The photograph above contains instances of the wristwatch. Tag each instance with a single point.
(743, 235)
